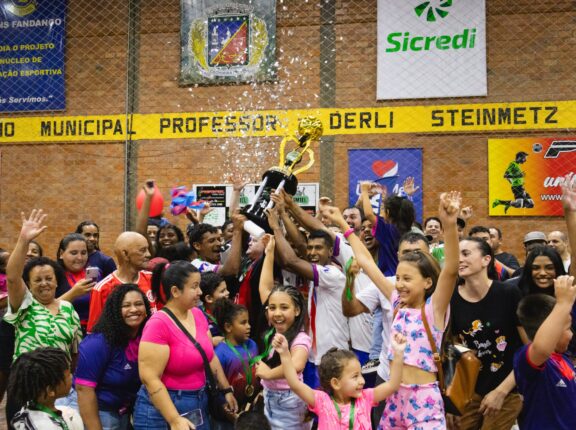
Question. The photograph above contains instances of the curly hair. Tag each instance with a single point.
(111, 324)
(332, 365)
(225, 312)
(198, 231)
(35, 372)
(45, 261)
(87, 223)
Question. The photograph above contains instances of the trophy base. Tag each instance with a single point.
(271, 180)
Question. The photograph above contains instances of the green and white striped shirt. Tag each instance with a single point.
(36, 327)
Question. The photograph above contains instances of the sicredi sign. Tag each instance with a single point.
(433, 48)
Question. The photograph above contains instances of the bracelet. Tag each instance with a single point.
(227, 390)
(348, 232)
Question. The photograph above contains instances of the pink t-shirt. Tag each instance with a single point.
(185, 367)
(328, 415)
(302, 340)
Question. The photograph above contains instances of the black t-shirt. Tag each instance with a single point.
(490, 328)
(508, 260)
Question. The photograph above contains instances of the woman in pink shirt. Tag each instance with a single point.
(171, 367)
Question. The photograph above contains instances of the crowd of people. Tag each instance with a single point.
(329, 321)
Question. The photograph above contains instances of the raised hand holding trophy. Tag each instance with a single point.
(283, 176)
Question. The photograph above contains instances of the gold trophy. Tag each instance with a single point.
(283, 176)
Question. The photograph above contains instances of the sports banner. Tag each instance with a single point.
(227, 41)
(32, 55)
(431, 48)
(525, 175)
(387, 167)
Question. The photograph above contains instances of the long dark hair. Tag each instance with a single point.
(485, 249)
(111, 324)
(299, 321)
(426, 264)
(67, 240)
(400, 213)
(526, 283)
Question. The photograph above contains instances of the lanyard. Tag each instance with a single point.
(267, 347)
(245, 363)
(53, 414)
(73, 279)
(352, 411)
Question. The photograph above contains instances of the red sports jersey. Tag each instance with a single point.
(104, 288)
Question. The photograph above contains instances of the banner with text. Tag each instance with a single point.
(497, 117)
(387, 167)
(32, 55)
(431, 49)
(226, 42)
(525, 175)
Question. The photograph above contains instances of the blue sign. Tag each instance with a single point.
(388, 167)
(32, 55)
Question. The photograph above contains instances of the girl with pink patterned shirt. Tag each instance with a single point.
(422, 290)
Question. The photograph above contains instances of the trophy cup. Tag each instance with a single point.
(283, 176)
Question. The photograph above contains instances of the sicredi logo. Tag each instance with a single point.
(432, 12)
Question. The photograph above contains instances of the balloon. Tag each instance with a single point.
(156, 205)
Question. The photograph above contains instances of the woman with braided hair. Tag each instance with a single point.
(37, 379)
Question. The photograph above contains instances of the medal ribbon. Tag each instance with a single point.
(313, 318)
(352, 412)
(245, 363)
(53, 414)
(267, 347)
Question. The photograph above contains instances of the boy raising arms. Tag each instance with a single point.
(544, 375)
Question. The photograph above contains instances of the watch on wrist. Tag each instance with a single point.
(226, 390)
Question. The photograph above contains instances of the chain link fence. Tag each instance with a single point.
(123, 59)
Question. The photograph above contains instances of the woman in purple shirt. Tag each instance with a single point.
(106, 377)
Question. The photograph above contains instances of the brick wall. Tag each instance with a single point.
(531, 56)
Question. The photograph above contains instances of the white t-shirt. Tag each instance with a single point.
(361, 326)
(331, 325)
(373, 298)
(204, 266)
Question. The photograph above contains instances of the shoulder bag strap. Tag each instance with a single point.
(435, 355)
(207, 368)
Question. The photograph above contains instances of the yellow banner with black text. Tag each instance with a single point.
(383, 120)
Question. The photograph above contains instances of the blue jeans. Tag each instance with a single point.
(285, 410)
(147, 417)
(110, 420)
(376, 346)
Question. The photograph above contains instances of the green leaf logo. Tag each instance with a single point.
(433, 12)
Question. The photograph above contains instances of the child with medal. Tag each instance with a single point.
(236, 353)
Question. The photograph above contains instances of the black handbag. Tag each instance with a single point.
(216, 400)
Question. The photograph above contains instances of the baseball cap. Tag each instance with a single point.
(535, 236)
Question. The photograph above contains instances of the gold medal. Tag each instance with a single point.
(249, 390)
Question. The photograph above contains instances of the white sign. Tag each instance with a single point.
(433, 48)
(220, 196)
